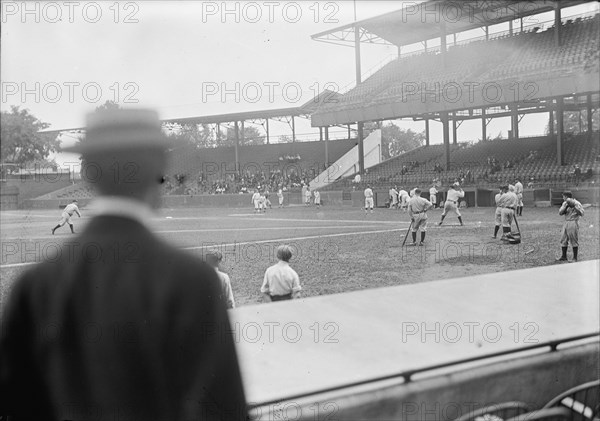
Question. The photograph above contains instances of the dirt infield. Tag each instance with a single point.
(336, 249)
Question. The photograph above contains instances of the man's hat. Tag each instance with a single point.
(122, 129)
(456, 184)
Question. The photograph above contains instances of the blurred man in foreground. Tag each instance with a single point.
(121, 327)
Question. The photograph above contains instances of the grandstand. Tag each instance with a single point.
(550, 67)
(531, 159)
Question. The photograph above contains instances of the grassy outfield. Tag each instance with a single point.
(337, 249)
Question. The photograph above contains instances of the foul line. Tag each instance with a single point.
(310, 237)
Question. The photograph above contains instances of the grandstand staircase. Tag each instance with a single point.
(347, 165)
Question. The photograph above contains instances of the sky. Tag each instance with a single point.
(61, 60)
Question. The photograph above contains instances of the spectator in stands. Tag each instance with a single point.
(214, 259)
(281, 282)
(577, 174)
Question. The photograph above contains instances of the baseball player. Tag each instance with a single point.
(256, 200)
(368, 199)
(280, 197)
(403, 199)
(572, 210)
(454, 194)
(262, 202)
(498, 213)
(317, 198)
(519, 193)
(393, 198)
(307, 195)
(433, 195)
(267, 201)
(509, 202)
(66, 215)
(417, 210)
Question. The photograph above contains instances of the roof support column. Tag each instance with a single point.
(551, 121)
(267, 129)
(326, 146)
(589, 115)
(557, 29)
(361, 152)
(348, 131)
(242, 138)
(218, 133)
(454, 129)
(426, 132)
(514, 121)
(446, 134)
(293, 129)
(235, 148)
(560, 130)
(361, 149)
(320, 134)
(483, 125)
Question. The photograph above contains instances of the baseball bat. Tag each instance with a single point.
(407, 231)
(517, 223)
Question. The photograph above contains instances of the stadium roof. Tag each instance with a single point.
(305, 109)
(423, 21)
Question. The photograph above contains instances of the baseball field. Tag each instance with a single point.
(336, 249)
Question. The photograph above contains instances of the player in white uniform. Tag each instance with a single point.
(280, 197)
(317, 198)
(267, 201)
(307, 195)
(433, 195)
(403, 199)
(393, 198)
(452, 198)
(498, 213)
(519, 193)
(368, 199)
(66, 215)
(262, 202)
(572, 210)
(256, 200)
(417, 210)
(509, 203)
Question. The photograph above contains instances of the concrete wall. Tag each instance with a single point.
(473, 196)
(534, 380)
(31, 187)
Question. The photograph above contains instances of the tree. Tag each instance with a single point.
(197, 135)
(20, 139)
(571, 120)
(395, 140)
(107, 106)
(251, 137)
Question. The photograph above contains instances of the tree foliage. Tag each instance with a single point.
(252, 136)
(19, 138)
(571, 121)
(395, 140)
(197, 135)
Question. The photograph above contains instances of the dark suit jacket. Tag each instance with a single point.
(121, 326)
